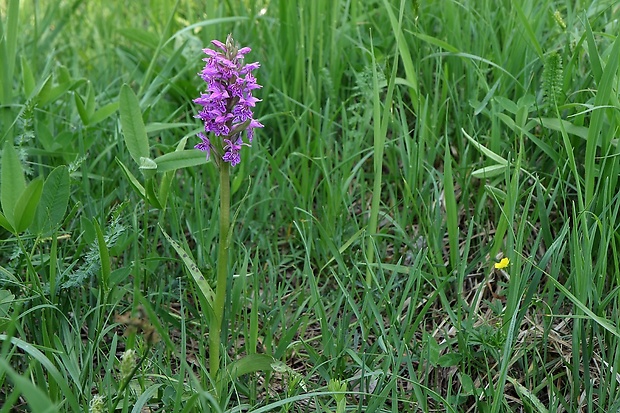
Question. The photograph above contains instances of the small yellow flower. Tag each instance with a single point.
(502, 264)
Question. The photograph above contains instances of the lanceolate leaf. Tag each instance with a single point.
(180, 159)
(27, 205)
(132, 179)
(485, 151)
(191, 266)
(133, 125)
(54, 201)
(81, 108)
(251, 363)
(12, 181)
(4, 223)
(103, 113)
(489, 171)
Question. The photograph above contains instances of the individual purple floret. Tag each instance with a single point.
(227, 104)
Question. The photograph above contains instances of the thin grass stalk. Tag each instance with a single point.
(379, 132)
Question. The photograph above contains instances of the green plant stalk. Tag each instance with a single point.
(222, 273)
(125, 383)
(380, 125)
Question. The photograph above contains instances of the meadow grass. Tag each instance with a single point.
(408, 147)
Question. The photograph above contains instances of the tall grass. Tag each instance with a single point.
(408, 146)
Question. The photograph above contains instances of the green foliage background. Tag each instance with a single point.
(408, 146)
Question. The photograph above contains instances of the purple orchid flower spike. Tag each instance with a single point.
(227, 104)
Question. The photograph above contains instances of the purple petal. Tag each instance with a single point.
(219, 44)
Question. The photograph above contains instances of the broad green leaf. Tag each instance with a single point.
(525, 104)
(103, 113)
(489, 171)
(6, 300)
(485, 151)
(180, 159)
(133, 125)
(164, 187)
(46, 86)
(81, 109)
(191, 266)
(12, 182)
(250, 364)
(144, 398)
(132, 179)
(47, 140)
(508, 121)
(496, 192)
(432, 349)
(151, 195)
(54, 201)
(437, 42)
(119, 276)
(479, 108)
(558, 124)
(339, 389)
(4, 223)
(27, 204)
(449, 360)
(90, 100)
(64, 76)
(52, 92)
(88, 230)
(467, 384)
(507, 104)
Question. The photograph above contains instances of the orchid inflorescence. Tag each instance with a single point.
(227, 102)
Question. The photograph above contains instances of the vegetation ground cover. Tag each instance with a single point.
(408, 147)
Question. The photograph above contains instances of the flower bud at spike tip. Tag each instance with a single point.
(227, 103)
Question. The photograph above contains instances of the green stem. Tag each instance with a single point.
(222, 274)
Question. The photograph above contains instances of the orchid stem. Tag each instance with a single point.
(215, 330)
